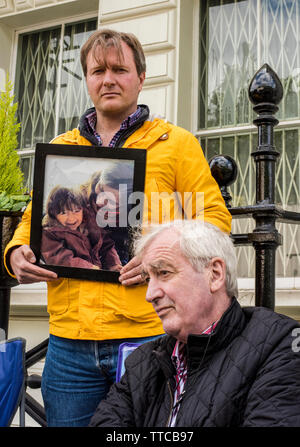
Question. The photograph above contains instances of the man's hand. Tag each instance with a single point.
(22, 261)
(131, 273)
(116, 268)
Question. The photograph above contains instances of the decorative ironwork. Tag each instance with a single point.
(224, 171)
(265, 92)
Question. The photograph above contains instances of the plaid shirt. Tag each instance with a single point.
(179, 360)
(128, 122)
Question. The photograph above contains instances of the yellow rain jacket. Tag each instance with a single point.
(102, 311)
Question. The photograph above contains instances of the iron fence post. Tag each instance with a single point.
(265, 92)
(6, 282)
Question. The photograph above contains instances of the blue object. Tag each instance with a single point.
(77, 375)
(12, 379)
(124, 350)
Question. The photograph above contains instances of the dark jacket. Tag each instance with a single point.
(244, 374)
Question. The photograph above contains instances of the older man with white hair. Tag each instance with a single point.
(220, 364)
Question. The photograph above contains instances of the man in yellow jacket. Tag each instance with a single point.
(89, 320)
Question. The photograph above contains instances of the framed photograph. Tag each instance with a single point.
(86, 202)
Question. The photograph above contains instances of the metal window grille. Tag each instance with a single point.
(236, 37)
(49, 84)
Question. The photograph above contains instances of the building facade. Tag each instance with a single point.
(201, 56)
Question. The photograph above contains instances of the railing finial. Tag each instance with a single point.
(265, 87)
(224, 171)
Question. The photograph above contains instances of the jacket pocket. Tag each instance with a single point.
(136, 307)
(58, 296)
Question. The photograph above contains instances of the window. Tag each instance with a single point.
(236, 38)
(49, 85)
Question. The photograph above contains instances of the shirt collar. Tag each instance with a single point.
(91, 120)
(179, 351)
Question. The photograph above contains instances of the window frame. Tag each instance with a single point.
(241, 128)
(62, 22)
(247, 283)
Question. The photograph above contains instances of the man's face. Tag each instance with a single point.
(113, 83)
(180, 296)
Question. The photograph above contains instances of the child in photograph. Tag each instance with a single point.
(70, 238)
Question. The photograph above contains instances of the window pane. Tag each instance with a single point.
(25, 165)
(288, 169)
(288, 196)
(74, 99)
(212, 146)
(228, 57)
(288, 254)
(239, 147)
(281, 49)
(243, 193)
(48, 81)
(37, 69)
(236, 38)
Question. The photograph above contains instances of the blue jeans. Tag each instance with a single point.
(77, 376)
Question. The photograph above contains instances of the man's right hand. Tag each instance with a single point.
(22, 261)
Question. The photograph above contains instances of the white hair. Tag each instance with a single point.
(199, 242)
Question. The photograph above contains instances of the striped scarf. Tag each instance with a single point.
(180, 362)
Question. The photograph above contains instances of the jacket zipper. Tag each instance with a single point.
(128, 132)
(172, 403)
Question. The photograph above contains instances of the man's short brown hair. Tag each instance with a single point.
(106, 38)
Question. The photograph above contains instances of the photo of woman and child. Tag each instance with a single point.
(71, 236)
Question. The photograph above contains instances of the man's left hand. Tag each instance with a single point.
(131, 273)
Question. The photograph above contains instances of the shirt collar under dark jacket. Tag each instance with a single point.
(201, 347)
(86, 132)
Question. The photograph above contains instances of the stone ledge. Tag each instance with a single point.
(45, 12)
(109, 12)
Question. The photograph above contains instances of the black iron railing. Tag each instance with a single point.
(6, 281)
(265, 92)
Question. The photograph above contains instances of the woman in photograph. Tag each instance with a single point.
(69, 236)
(106, 195)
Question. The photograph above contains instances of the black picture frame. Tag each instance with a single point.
(72, 166)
